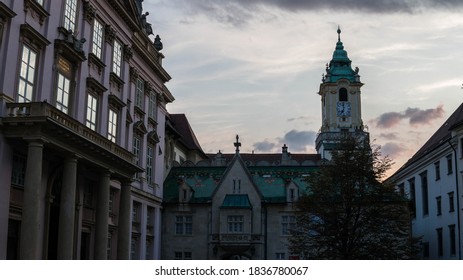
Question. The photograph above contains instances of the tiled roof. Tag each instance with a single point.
(270, 180)
(236, 201)
(188, 137)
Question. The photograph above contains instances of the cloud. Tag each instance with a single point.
(389, 136)
(240, 12)
(297, 141)
(264, 146)
(393, 150)
(416, 116)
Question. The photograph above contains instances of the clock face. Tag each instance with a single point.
(343, 109)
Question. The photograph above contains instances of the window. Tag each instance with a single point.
(136, 212)
(63, 87)
(183, 225)
(112, 195)
(92, 104)
(27, 75)
(236, 186)
(288, 223)
(187, 255)
(88, 194)
(449, 164)
(149, 164)
(424, 192)
(97, 42)
(440, 245)
(235, 224)
(136, 149)
(425, 250)
(453, 249)
(152, 110)
(148, 249)
(411, 183)
(451, 202)
(401, 189)
(280, 256)
(139, 93)
(178, 255)
(112, 125)
(134, 248)
(437, 169)
(109, 246)
(343, 94)
(150, 216)
(70, 14)
(18, 172)
(439, 205)
(117, 58)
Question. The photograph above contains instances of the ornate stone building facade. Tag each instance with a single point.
(82, 123)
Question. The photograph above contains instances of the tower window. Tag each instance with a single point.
(342, 94)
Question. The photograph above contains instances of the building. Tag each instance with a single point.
(242, 206)
(82, 125)
(432, 180)
(233, 206)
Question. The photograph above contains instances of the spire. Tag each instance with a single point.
(339, 33)
(340, 65)
(237, 144)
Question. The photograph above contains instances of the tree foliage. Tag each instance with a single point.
(348, 212)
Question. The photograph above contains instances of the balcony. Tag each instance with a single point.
(43, 121)
(235, 239)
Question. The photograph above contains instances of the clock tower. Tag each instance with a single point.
(340, 102)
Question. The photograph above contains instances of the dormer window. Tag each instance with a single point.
(343, 94)
(292, 194)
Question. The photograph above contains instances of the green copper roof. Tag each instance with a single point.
(340, 65)
(236, 201)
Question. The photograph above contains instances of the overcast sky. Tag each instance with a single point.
(254, 67)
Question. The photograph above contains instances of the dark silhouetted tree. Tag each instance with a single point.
(349, 213)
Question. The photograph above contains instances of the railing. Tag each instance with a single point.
(231, 238)
(43, 109)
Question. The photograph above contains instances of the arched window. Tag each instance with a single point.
(342, 94)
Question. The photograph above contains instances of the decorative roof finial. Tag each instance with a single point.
(339, 33)
(237, 144)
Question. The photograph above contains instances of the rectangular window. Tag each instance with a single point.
(452, 238)
(62, 93)
(183, 225)
(288, 223)
(133, 248)
(70, 14)
(401, 189)
(117, 58)
(187, 255)
(440, 245)
(149, 164)
(112, 194)
(109, 246)
(27, 75)
(139, 93)
(235, 224)
(136, 212)
(97, 43)
(136, 149)
(439, 205)
(280, 256)
(92, 104)
(449, 164)
(18, 172)
(451, 202)
(112, 125)
(425, 250)
(437, 169)
(178, 255)
(424, 192)
(148, 249)
(152, 106)
(411, 183)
